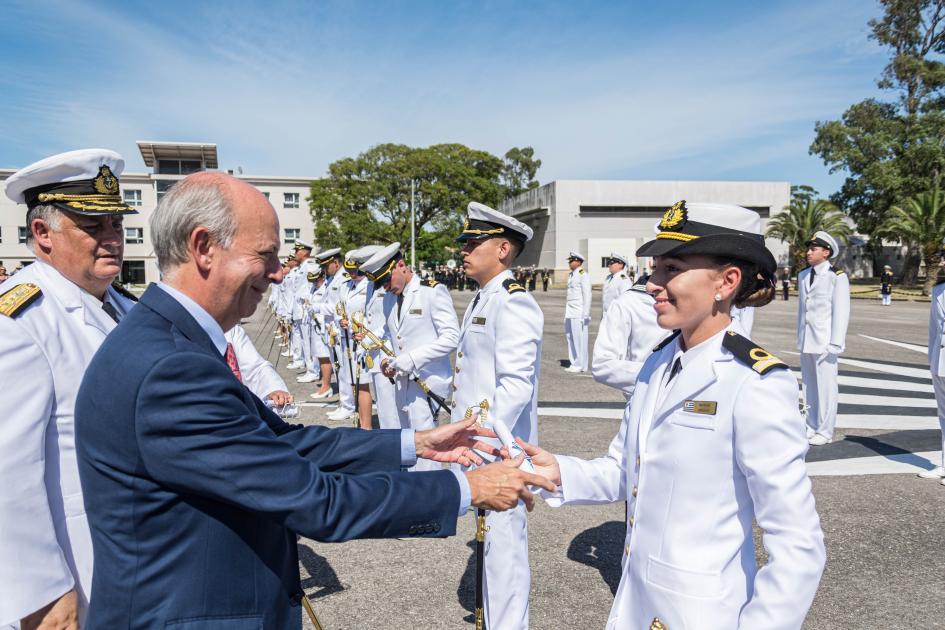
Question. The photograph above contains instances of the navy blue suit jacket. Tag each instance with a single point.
(195, 491)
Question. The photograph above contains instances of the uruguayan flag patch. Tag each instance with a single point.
(707, 407)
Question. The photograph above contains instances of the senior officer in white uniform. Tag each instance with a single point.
(54, 314)
(711, 441)
(422, 330)
(627, 336)
(577, 313)
(498, 361)
(823, 313)
(617, 281)
(937, 367)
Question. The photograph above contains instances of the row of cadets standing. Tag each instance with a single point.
(354, 301)
(336, 279)
(53, 318)
(577, 313)
(420, 327)
(498, 360)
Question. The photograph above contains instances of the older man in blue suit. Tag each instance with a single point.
(195, 491)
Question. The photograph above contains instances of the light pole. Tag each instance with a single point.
(413, 231)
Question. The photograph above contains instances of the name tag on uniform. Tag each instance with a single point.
(479, 321)
(416, 311)
(707, 407)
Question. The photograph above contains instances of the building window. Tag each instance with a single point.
(267, 194)
(178, 167)
(291, 234)
(134, 235)
(132, 272)
(22, 234)
(133, 197)
(291, 200)
(162, 186)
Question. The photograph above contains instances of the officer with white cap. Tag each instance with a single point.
(937, 367)
(302, 301)
(336, 277)
(823, 314)
(320, 349)
(53, 317)
(420, 327)
(577, 313)
(497, 361)
(617, 281)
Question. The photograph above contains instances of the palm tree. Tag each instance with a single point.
(799, 220)
(919, 223)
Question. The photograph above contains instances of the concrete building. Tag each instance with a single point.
(597, 217)
(169, 162)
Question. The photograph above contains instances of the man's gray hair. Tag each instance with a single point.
(183, 208)
(50, 214)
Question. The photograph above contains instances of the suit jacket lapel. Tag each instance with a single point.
(167, 307)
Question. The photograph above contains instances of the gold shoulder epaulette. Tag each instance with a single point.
(752, 355)
(429, 282)
(120, 290)
(581, 270)
(666, 341)
(512, 286)
(623, 276)
(14, 301)
(839, 272)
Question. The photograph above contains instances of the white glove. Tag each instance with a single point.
(402, 364)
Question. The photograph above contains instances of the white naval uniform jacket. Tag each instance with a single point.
(694, 482)
(425, 334)
(376, 322)
(823, 310)
(499, 356)
(578, 305)
(626, 338)
(937, 331)
(45, 545)
(257, 373)
(615, 285)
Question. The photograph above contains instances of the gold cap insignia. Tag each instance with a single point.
(105, 182)
(675, 216)
(657, 624)
(466, 224)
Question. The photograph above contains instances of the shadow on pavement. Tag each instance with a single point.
(320, 572)
(466, 591)
(601, 547)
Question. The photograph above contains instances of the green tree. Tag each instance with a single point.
(919, 222)
(892, 150)
(519, 170)
(801, 218)
(366, 199)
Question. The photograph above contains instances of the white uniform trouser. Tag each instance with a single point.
(508, 577)
(308, 358)
(319, 347)
(295, 339)
(887, 299)
(414, 412)
(345, 394)
(575, 331)
(387, 416)
(819, 373)
(938, 385)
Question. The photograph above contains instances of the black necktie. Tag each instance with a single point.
(472, 309)
(676, 369)
(812, 274)
(108, 308)
(400, 301)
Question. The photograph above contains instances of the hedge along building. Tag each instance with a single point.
(169, 163)
(596, 217)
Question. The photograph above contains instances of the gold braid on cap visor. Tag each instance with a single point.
(498, 230)
(374, 277)
(677, 236)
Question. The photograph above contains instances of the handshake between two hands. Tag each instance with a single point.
(497, 486)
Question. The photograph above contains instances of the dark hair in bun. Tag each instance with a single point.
(757, 286)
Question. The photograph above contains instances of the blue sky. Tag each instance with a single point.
(630, 90)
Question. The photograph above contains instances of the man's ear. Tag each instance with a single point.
(201, 247)
(41, 233)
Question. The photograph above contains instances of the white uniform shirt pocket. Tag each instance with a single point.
(694, 420)
(687, 582)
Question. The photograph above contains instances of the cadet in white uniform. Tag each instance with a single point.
(577, 313)
(823, 313)
(711, 441)
(54, 314)
(617, 281)
(384, 388)
(627, 336)
(498, 361)
(319, 334)
(422, 330)
(330, 261)
(303, 300)
(937, 367)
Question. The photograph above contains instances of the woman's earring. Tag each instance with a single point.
(718, 297)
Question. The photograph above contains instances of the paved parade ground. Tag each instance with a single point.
(883, 525)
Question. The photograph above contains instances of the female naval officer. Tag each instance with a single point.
(711, 441)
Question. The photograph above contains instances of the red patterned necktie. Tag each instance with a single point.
(231, 361)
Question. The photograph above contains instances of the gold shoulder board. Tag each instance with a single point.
(512, 286)
(666, 341)
(14, 301)
(430, 282)
(839, 272)
(752, 355)
(581, 270)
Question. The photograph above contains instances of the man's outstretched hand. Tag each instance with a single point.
(454, 443)
(500, 485)
(544, 462)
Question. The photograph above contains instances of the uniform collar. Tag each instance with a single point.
(494, 284)
(821, 267)
(413, 285)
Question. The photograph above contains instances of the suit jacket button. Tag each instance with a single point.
(436, 527)
(412, 530)
(459, 354)
(429, 529)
